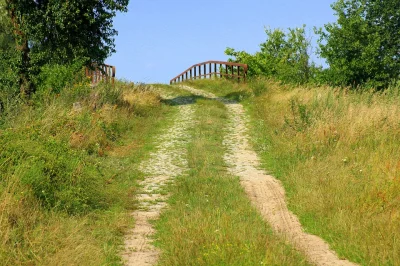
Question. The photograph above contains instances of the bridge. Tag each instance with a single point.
(210, 69)
(216, 69)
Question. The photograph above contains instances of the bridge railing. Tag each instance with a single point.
(98, 73)
(216, 69)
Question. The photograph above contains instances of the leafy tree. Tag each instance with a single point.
(363, 46)
(49, 31)
(6, 40)
(284, 55)
(8, 59)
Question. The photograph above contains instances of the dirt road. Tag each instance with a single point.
(264, 191)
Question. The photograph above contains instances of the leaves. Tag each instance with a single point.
(284, 55)
(362, 47)
(59, 32)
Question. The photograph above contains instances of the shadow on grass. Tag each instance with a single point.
(182, 100)
(237, 96)
(230, 98)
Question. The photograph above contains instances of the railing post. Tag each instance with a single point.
(205, 71)
(209, 68)
(238, 69)
(199, 72)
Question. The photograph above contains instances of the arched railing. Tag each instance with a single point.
(98, 73)
(216, 69)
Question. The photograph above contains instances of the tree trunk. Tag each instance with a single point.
(25, 84)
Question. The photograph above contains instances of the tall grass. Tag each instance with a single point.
(65, 184)
(337, 153)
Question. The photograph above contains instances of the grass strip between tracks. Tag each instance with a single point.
(210, 221)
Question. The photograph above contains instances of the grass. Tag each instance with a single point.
(67, 164)
(337, 153)
(210, 221)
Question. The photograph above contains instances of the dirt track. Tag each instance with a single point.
(163, 165)
(266, 192)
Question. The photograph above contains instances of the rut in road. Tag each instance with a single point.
(265, 191)
(168, 162)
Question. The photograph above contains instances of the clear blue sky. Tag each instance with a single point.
(158, 39)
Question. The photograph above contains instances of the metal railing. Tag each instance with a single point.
(217, 69)
(98, 73)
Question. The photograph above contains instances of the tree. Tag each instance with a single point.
(363, 46)
(49, 31)
(6, 39)
(284, 55)
(8, 58)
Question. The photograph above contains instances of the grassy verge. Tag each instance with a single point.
(210, 221)
(337, 153)
(67, 172)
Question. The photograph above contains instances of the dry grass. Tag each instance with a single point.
(337, 153)
(80, 218)
(141, 98)
(30, 236)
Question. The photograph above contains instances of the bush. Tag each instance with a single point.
(283, 56)
(59, 177)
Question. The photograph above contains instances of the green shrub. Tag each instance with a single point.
(283, 56)
(59, 177)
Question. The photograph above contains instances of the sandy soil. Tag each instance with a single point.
(167, 162)
(265, 191)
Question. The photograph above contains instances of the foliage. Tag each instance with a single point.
(284, 56)
(6, 39)
(59, 32)
(362, 47)
(53, 78)
(68, 165)
(8, 61)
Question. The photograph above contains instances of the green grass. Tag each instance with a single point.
(337, 153)
(210, 221)
(68, 176)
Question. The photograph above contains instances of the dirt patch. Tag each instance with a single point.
(167, 162)
(266, 192)
(123, 151)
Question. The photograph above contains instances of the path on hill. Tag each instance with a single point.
(266, 192)
(166, 163)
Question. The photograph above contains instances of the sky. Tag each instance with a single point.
(159, 39)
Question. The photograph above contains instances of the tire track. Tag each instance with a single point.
(265, 191)
(168, 162)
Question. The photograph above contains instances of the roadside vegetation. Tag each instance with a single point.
(209, 220)
(337, 153)
(68, 150)
(330, 133)
(68, 176)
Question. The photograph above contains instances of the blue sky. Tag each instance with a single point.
(158, 39)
